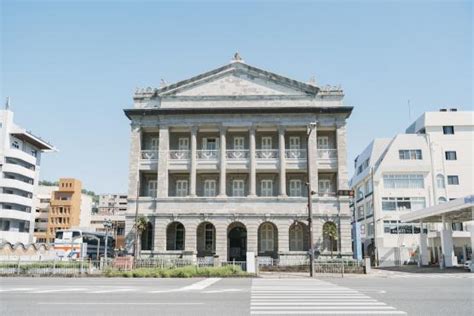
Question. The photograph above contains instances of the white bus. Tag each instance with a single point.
(76, 243)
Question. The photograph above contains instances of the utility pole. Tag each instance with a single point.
(107, 225)
(309, 130)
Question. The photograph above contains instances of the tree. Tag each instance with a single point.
(140, 226)
(330, 233)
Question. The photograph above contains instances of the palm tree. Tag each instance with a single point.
(330, 232)
(140, 226)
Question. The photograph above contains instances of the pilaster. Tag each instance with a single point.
(163, 156)
(192, 176)
(342, 175)
(223, 162)
(282, 154)
(253, 163)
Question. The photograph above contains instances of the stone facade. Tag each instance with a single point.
(220, 164)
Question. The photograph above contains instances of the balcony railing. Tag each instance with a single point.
(237, 154)
(179, 154)
(295, 153)
(207, 154)
(327, 153)
(266, 154)
(149, 155)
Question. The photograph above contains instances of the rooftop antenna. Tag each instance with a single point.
(7, 104)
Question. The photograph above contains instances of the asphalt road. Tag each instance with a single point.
(412, 295)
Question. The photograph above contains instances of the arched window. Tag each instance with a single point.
(175, 234)
(440, 181)
(330, 236)
(147, 237)
(297, 239)
(441, 199)
(266, 237)
(209, 237)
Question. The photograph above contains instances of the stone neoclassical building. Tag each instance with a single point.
(220, 165)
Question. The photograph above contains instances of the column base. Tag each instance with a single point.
(222, 196)
(283, 196)
(252, 195)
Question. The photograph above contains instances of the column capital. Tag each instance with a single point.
(223, 128)
(194, 129)
(252, 128)
(281, 129)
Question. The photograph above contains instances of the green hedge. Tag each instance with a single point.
(184, 272)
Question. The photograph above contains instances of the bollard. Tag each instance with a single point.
(367, 266)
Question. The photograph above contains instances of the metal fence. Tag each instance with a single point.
(52, 267)
(330, 267)
(241, 264)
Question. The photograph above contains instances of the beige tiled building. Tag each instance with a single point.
(220, 164)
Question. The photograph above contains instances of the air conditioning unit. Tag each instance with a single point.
(443, 110)
(453, 110)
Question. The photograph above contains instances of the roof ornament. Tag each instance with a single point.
(312, 81)
(163, 83)
(7, 104)
(237, 58)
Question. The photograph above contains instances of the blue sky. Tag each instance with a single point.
(71, 67)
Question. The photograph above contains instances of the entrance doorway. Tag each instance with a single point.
(237, 242)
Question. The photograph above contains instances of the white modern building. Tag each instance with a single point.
(220, 165)
(431, 163)
(112, 204)
(20, 157)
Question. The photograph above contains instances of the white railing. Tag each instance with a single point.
(237, 154)
(327, 153)
(295, 153)
(179, 154)
(149, 155)
(207, 154)
(266, 153)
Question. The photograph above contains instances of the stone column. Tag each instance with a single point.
(313, 158)
(221, 239)
(223, 162)
(253, 163)
(134, 161)
(159, 242)
(192, 176)
(282, 154)
(423, 260)
(163, 157)
(447, 243)
(342, 175)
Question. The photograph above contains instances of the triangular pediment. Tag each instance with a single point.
(238, 79)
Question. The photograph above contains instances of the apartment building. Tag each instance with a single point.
(220, 165)
(112, 204)
(20, 158)
(111, 207)
(67, 208)
(430, 164)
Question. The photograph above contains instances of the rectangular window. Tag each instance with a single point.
(360, 212)
(267, 143)
(323, 142)
(450, 155)
(403, 181)
(152, 187)
(448, 130)
(154, 143)
(183, 143)
(209, 144)
(410, 154)
(238, 188)
(453, 180)
(324, 186)
(266, 188)
(209, 187)
(295, 143)
(370, 229)
(15, 144)
(295, 187)
(181, 187)
(238, 143)
(403, 203)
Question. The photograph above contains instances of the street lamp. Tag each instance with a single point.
(311, 126)
(107, 225)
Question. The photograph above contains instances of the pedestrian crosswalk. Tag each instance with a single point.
(432, 275)
(314, 297)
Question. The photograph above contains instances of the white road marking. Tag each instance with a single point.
(223, 290)
(201, 285)
(114, 303)
(309, 296)
(17, 289)
(59, 290)
(113, 291)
